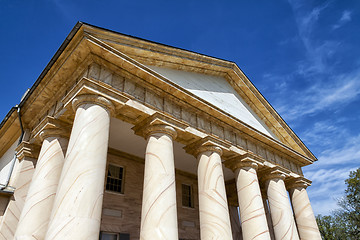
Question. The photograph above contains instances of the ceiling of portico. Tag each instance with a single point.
(122, 138)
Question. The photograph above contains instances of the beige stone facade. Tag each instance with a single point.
(123, 138)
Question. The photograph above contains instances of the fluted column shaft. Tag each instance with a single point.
(253, 218)
(280, 209)
(214, 212)
(35, 215)
(304, 215)
(158, 214)
(78, 203)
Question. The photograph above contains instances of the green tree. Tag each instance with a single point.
(345, 222)
(332, 228)
(350, 204)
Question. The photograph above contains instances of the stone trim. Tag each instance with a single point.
(207, 144)
(299, 182)
(51, 127)
(93, 99)
(246, 160)
(27, 150)
(159, 122)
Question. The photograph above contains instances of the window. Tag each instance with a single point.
(115, 179)
(187, 196)
(114, 236)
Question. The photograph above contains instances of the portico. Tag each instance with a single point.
(138, 141)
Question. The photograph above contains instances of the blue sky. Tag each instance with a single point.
(303, 56)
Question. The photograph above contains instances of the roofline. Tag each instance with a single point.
(8, 115)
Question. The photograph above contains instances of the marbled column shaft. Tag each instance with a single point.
(35, 215)
(253, 218)
(78, 203)
(281, 213)
(158, 214)
(214, 212)
(24, 171)
(304, 215)
(235, 223)
(268, 216)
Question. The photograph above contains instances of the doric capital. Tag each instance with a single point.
(93, 99)
(160, 128)
(297, 182)
(51, 127)
(159, 123)
(274, 173)
(246, 160)
(27, 150)
(206, 144)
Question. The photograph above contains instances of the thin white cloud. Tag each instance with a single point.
(338, 91)
(345, 17)
(328, 185)
(316, 53)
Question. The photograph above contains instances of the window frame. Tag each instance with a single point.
(191, 197)
(122, 180)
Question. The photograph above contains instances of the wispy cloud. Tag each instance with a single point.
(345, 17)
(316, 53)
(336, 92)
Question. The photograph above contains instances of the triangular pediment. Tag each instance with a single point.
(218, 82)
(217, 91)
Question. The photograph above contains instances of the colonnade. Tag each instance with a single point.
(65, 197)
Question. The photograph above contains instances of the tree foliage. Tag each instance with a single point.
(345, 222)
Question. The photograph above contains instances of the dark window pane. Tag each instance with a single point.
(114, 180)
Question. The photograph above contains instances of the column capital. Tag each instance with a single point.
(27, 150)
(297, 182)
(93, 99)
(274, 173)
(51, 127)
(159, 123)
(246, 160)
(207, 144)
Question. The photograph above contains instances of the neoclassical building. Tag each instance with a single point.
(124, 138)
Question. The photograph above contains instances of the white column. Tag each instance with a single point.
(158, 213)
(253, 219)
(280, 209)
(214, 212)
(78, 203)
(35, 215)
(304, 215)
